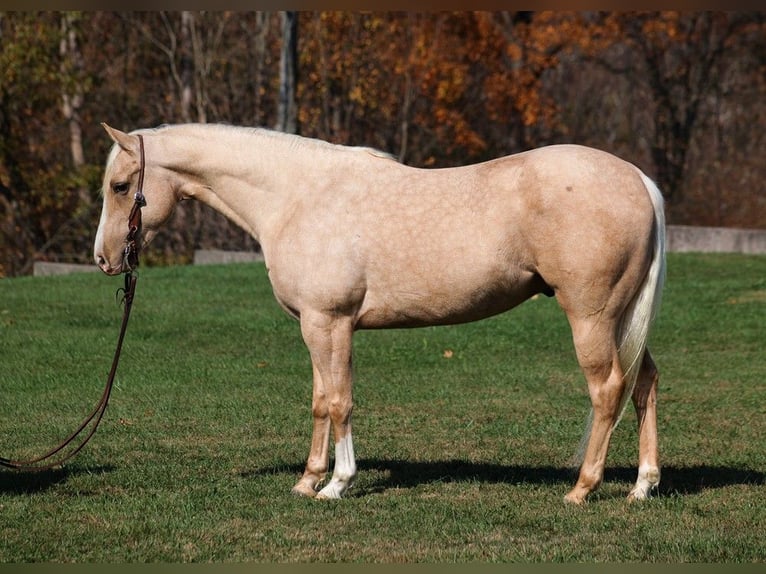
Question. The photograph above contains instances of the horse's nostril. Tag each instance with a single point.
(100, 260)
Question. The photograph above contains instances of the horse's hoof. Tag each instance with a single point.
(334, 490)
(303, 490)
(639, 494)
(575, 498)
(328, 494)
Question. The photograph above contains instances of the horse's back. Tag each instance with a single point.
(516, 209)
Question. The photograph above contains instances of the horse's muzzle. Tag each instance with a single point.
(104, 265)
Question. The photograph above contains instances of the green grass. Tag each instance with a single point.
(461, 458)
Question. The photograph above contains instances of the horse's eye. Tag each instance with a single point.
(121, 187)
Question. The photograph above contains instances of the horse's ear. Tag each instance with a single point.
(125, 141)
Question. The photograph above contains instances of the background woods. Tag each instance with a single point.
(679, 94)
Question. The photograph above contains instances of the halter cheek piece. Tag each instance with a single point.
(130, 255)
(130, 262)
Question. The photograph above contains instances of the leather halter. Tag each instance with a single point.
(130, 262)
(130, 255)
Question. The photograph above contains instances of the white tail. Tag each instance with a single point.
(640, 313)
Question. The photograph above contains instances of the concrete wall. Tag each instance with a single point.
(685, 238)
(212, 256)
(41, 268)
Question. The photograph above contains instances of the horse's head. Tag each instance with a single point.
(119, 189)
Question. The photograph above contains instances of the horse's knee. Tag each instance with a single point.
(320, 410)
(340, 409)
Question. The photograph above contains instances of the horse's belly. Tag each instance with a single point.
(423, 304)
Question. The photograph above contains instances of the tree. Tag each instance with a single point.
(192, 46)
(679, 94)
(31, 181)
(72, 92)
(288, 74)
(678, 56)
(528, 45)
(257, 73)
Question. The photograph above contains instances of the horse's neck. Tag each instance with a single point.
(248, 176)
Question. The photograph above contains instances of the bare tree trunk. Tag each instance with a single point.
(287, 117)
(71, 70)
(409, 91)
(187, 65)
(262, 25)
(206, 38)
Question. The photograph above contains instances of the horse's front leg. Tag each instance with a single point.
(318, 460)
(328, 339)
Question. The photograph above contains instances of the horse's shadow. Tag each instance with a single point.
(395, 473)
(676, 480)
(31, 482)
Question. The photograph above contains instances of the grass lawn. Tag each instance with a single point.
(464, 435)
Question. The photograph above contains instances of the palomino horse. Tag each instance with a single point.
(355, 240)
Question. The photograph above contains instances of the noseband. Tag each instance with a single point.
(56, 456)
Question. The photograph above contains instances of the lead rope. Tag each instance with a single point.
(49, 460)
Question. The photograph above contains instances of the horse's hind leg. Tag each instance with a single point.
(597, 354)
(328, 339)
(645, 402)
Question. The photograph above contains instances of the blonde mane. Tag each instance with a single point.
(293, 141)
